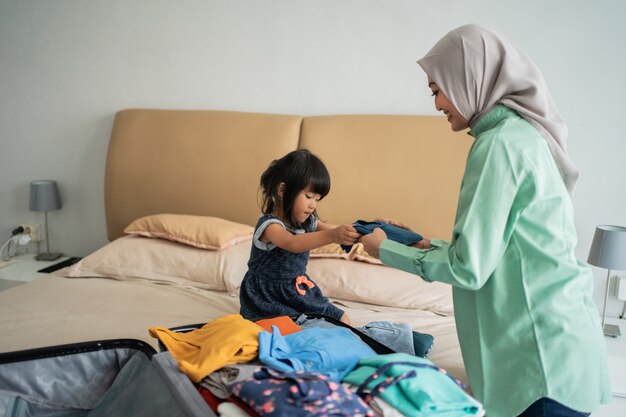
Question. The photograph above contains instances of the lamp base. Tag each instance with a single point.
(611, 330)
(48, 256)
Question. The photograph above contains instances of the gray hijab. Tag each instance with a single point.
(477, 69)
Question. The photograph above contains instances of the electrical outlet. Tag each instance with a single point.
(32, 230)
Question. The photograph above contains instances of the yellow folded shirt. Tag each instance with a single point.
(225, 341)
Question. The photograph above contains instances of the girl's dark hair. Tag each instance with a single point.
(298, 169)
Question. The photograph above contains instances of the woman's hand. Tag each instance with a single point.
(393, 222)
(372, 241)
(345, 234)
(423, 244)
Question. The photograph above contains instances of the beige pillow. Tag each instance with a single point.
(334, 250)
(379, 285)
(198, 231)
(162, 261)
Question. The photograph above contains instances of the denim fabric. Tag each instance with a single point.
(399, 337)
(423, 343)
(395, 233)
(269, 287)
(396, 336)
(546, 407)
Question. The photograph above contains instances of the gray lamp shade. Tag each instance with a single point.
(44, 196)
(608, 249)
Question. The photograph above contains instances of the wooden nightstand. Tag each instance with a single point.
(23, 268)
(616, 347)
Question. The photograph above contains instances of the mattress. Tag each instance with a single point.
(55, 310)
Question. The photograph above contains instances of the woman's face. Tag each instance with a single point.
(442, 103)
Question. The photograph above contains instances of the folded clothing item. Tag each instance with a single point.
(333, 352)
(285, 324)
(395, 233)
(414, 386)
(422, 343)
(299, 393)
(399, 337)
(225, 341)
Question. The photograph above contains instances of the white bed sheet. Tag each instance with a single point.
(54, 310)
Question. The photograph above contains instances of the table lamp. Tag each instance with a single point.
(44, 196)
(608, 250)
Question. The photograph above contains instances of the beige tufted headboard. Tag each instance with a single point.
(407, 168)
(209, 163)
(191, 162)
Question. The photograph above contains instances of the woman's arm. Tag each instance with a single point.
(486, 218)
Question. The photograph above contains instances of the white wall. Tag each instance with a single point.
(66, 66)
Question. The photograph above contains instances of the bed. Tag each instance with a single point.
(201, 164)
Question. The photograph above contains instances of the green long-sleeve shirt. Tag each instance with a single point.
(526, 321)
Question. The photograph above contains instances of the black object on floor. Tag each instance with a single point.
(59, 265)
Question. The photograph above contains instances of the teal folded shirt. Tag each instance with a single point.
(431, 392)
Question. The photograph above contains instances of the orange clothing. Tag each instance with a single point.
(284, 323)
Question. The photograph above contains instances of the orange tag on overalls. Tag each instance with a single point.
(303, 280)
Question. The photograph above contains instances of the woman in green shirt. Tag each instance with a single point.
(529, 331)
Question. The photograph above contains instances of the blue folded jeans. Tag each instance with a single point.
(394, 233)
(399, 337)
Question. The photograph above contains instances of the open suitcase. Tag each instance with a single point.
(124, 377)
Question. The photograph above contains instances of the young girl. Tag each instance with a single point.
(276, 283)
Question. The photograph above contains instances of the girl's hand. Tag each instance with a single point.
(394, 223)
(371, 243)
(345, 234)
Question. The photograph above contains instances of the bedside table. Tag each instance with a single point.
(616, 348)
(23, 268)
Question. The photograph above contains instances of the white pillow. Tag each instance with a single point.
(162, 261)
(379, 285)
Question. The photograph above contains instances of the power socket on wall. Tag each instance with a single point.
(621, 288)
(32, 230)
